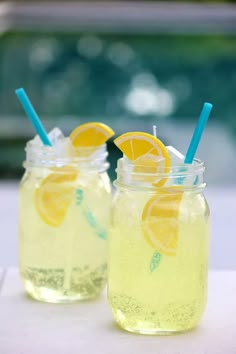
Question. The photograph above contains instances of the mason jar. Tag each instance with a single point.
(64, 213)
(158, 248)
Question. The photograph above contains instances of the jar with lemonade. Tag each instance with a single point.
(62, 227)
(158, 245)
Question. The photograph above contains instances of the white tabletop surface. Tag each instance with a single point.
(30, 327)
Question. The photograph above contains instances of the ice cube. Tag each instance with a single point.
(186, 176)
(150, 163)
(36, 141)
(63, 147)
(55, 135)
(177, 158)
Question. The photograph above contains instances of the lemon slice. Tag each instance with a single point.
(137, 144)
(53, 197)
(91, 134)
(148, 154)
(160, 221)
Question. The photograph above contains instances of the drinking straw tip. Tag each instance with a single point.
(208, 105)
(19, 90)
(204, 115)
(32, 115)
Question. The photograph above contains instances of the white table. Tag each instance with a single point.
(30, 327)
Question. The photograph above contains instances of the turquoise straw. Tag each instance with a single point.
(197, 134)
(205, 113)
(30, 112)
(32, 115)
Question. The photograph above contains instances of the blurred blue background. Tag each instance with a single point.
(130, 65)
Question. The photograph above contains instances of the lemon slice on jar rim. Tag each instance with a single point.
(161, 212)
(92, 134)
(55, 193)
(147, 153)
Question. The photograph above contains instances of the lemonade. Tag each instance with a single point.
(62, 227)
(173, 296)
(158, 245)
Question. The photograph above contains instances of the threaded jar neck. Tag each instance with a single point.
(137, 175)
(87, 158)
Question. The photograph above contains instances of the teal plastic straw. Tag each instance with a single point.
(205, 113)
(32, 115)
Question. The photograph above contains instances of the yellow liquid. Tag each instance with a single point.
(165, 296)
(69, 262)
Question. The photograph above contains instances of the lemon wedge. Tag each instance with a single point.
(54, 195)
(147, 153)
(160, 221)
(92, 134)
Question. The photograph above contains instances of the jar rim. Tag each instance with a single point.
(128, 166)
(84, 157)
(142, 175)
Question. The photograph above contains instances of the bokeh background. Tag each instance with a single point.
(130, 65)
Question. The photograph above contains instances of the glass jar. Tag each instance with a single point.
(62, 226)
(158, 249)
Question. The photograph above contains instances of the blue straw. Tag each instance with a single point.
(205, 113)
(32, 115)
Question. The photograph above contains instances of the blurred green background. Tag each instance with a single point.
(129, 80)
